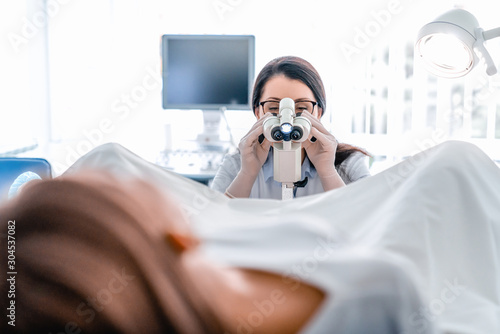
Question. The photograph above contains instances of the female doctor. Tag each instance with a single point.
(326, 163)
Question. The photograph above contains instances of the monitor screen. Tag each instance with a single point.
(207, 72)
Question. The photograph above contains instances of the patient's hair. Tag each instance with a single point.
(85, 259)
(296, 68)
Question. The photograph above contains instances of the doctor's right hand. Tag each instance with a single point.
(254, 153)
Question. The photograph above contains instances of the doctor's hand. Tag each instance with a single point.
(253, 155)
(321, 152)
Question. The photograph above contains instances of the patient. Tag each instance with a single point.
(99, 254)
(102, 250)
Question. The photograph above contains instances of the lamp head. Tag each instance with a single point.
(451, 45)
(447, 44)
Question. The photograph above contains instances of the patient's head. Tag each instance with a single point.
(91, 255)
(304, 83)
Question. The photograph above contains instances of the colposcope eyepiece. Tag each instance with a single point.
(287, 126)
(286, 132)
(277, 134)
(296, 133)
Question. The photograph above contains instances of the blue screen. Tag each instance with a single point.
(207, 71)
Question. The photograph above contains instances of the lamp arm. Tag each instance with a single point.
(489, 34)
(481, 51)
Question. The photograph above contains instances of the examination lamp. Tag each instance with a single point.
(453, 43)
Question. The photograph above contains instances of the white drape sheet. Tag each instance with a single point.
(437, 214)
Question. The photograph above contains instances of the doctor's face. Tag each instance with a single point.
(279, 87)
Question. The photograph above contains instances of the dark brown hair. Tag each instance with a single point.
(296, 68)
(87, 260)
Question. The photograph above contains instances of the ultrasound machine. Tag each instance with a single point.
(211, 73)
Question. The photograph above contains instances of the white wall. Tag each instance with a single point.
(103, 59)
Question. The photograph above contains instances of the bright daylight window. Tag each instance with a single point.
(14, 81)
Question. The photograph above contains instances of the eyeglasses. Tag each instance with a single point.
(300, 106)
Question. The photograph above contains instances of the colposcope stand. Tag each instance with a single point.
(287, 170)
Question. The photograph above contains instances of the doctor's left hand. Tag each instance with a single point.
(322, 151)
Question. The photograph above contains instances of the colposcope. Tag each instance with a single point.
(287, 131)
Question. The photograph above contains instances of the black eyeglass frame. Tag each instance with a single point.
(314, 103)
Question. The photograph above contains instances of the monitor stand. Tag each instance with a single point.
(210, 137)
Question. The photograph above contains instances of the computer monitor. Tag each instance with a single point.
(211, 73)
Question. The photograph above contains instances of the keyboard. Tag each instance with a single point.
(192, 162)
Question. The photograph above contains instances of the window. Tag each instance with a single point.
(15, 128)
